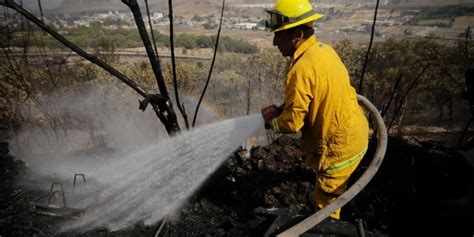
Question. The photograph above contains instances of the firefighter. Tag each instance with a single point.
(319, 101)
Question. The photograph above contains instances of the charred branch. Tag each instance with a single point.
(167, 117)
(395, 87)
(151, 27)
(173, 63)
(93, 59)
(212, 64)
(171, 122)
(40, 10)
(402, 103)
(366, 61)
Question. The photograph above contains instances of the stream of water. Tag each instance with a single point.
(154, 181)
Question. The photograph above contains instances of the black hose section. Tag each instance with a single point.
(322, 214)
(212, 64)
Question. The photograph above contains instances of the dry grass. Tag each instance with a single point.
(462, 22)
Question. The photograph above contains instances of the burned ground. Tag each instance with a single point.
(421, 186)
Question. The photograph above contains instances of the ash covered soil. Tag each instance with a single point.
(421, 187)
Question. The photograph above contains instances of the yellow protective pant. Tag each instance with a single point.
(332, 182)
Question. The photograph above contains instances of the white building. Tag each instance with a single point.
(245, 25)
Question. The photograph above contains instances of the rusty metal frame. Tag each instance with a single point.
(43, 205)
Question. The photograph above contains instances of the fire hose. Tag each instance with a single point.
(342, 200)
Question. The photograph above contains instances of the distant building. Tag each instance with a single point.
(379, 23)
(245, 26)
(157, 15)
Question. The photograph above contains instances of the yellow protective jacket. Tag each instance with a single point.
(320, 102)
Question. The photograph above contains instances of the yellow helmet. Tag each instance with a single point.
(290, 13)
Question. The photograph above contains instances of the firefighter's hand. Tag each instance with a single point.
(269, 113)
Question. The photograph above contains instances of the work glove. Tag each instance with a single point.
(268, 114)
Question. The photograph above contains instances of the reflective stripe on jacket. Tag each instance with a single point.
(320, 102)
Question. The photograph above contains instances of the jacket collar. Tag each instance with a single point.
(302, 48)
